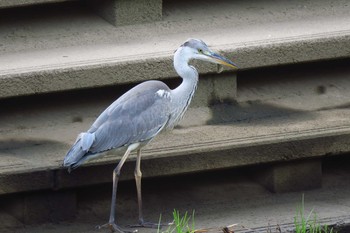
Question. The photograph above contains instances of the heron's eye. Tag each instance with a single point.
(200, 50)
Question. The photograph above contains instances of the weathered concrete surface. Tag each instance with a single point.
(116, 12)
(81, 50)
(41, 207)
(218, 198)
(126, 12)
(16, 3)
(280, 115)
(292, 176)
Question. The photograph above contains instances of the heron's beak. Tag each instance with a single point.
(222, 60)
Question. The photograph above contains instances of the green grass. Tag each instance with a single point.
(181, 224)
(306, 224)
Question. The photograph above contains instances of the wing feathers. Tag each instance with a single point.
(86, 141)
(135, 117)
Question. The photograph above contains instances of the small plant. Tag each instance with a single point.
(304, 224)
(180, 224)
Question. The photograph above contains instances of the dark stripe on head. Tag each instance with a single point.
(187, 43)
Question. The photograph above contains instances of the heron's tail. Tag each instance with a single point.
(76, 155)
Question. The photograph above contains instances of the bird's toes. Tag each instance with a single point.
(115, 228)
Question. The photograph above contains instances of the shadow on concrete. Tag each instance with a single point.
(30, 147)
(230, 112)
(14, 143)
(341, 106)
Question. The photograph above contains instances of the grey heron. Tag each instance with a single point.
(139, 115)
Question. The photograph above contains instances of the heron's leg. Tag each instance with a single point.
(116, 175)
(138, 176)
(112, 225)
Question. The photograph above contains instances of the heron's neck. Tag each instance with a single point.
(182, 95)
(189, 75)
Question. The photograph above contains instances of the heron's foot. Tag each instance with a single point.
(115, 228)
(151, 224)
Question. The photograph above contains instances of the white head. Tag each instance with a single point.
(197, 49)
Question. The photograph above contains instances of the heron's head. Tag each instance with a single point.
(197, 49)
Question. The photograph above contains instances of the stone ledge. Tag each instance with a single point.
(116, 12)
(187, 153)
(50, 59)
(17, 3)
(82, 74)
(270, 122)
(126, 12)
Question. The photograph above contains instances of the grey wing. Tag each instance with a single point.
(137, 116)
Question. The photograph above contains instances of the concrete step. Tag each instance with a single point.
(20, 3)
(219, 198)
(281, 114)
(116, 12)
(66, 47)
